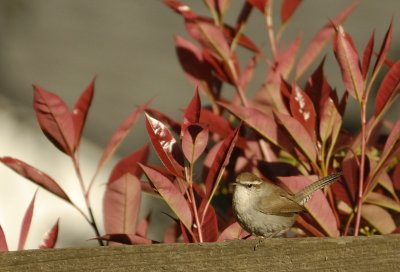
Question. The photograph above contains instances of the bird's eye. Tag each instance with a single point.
(249, 186)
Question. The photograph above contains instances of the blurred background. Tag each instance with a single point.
(60, 45)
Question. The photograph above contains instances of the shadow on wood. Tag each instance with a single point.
(376, 253)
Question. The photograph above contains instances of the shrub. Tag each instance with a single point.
(286, 133)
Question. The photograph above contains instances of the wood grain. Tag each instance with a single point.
(377, 253)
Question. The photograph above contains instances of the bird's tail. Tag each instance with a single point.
(304, 195)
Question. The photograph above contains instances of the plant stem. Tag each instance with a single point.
(362, 166)
(196, 215)
(270, 28)
(85, 193)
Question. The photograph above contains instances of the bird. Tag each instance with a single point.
(265, 209)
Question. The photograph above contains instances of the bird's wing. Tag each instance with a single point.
(283, 204)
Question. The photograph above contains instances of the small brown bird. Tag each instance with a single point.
(266, 210)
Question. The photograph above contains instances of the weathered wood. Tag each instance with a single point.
(377, 253)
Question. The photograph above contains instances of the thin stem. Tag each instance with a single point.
(196, 215)
(362, 166)
(270, 28)
(85, 193)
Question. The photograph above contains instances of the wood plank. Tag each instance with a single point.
(376, 253)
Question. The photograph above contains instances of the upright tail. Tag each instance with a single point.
(304, 195)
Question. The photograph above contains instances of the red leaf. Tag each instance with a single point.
(318, 206)
(221, 160)
(121, 205)
(299, 135)
(129, 164)
(260, 122)
(303, 110)
(232, 232)
(390, 87)
(369, 48)
(81, 110)
(212, 37)
(379, 218)
(192, 112)
(180, 8)
(165, 145)
(393, 138)
(119, 135)
(172, 233)
(126, 239)
(142, 227)
(349, 64)
(288, 8)
(54, 119)
(50, 237)
(191, 59)
(35, 176)
(171, 123)
(3, 242)
(171, 194)
(384, 49)
(26, 223)
(194, 141)
(281, 68)
(247, 74)
(209, 225)
(320, 40)
(330, 120)
(258, 4)
(396, 177)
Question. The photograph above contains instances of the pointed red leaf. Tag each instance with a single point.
(194, 141)
(384, 49)
(26, 223)
(299, 135)
(303, 110)
(232, 232)
(390, 87)
(212, 37)
(330, 119)
(180, 8)
(165, 145)
(260, 122)
(119, 135)
(174, 125)
(369, 48)
(318, 206)
(193, 64)
(349, 63)
(379, 218)
(193, 110)
(247, 73)
(258, 4)
(221, 160)
(54, 119)
(121, 205)
(288, 8)
(209, 225)
(3, 242)
(393, 138)
(81, 110)
(129, 164)
(50, 237)
(35, 176)
(320, 40)
(171, 195)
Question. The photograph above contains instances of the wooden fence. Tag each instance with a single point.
(376, 253)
